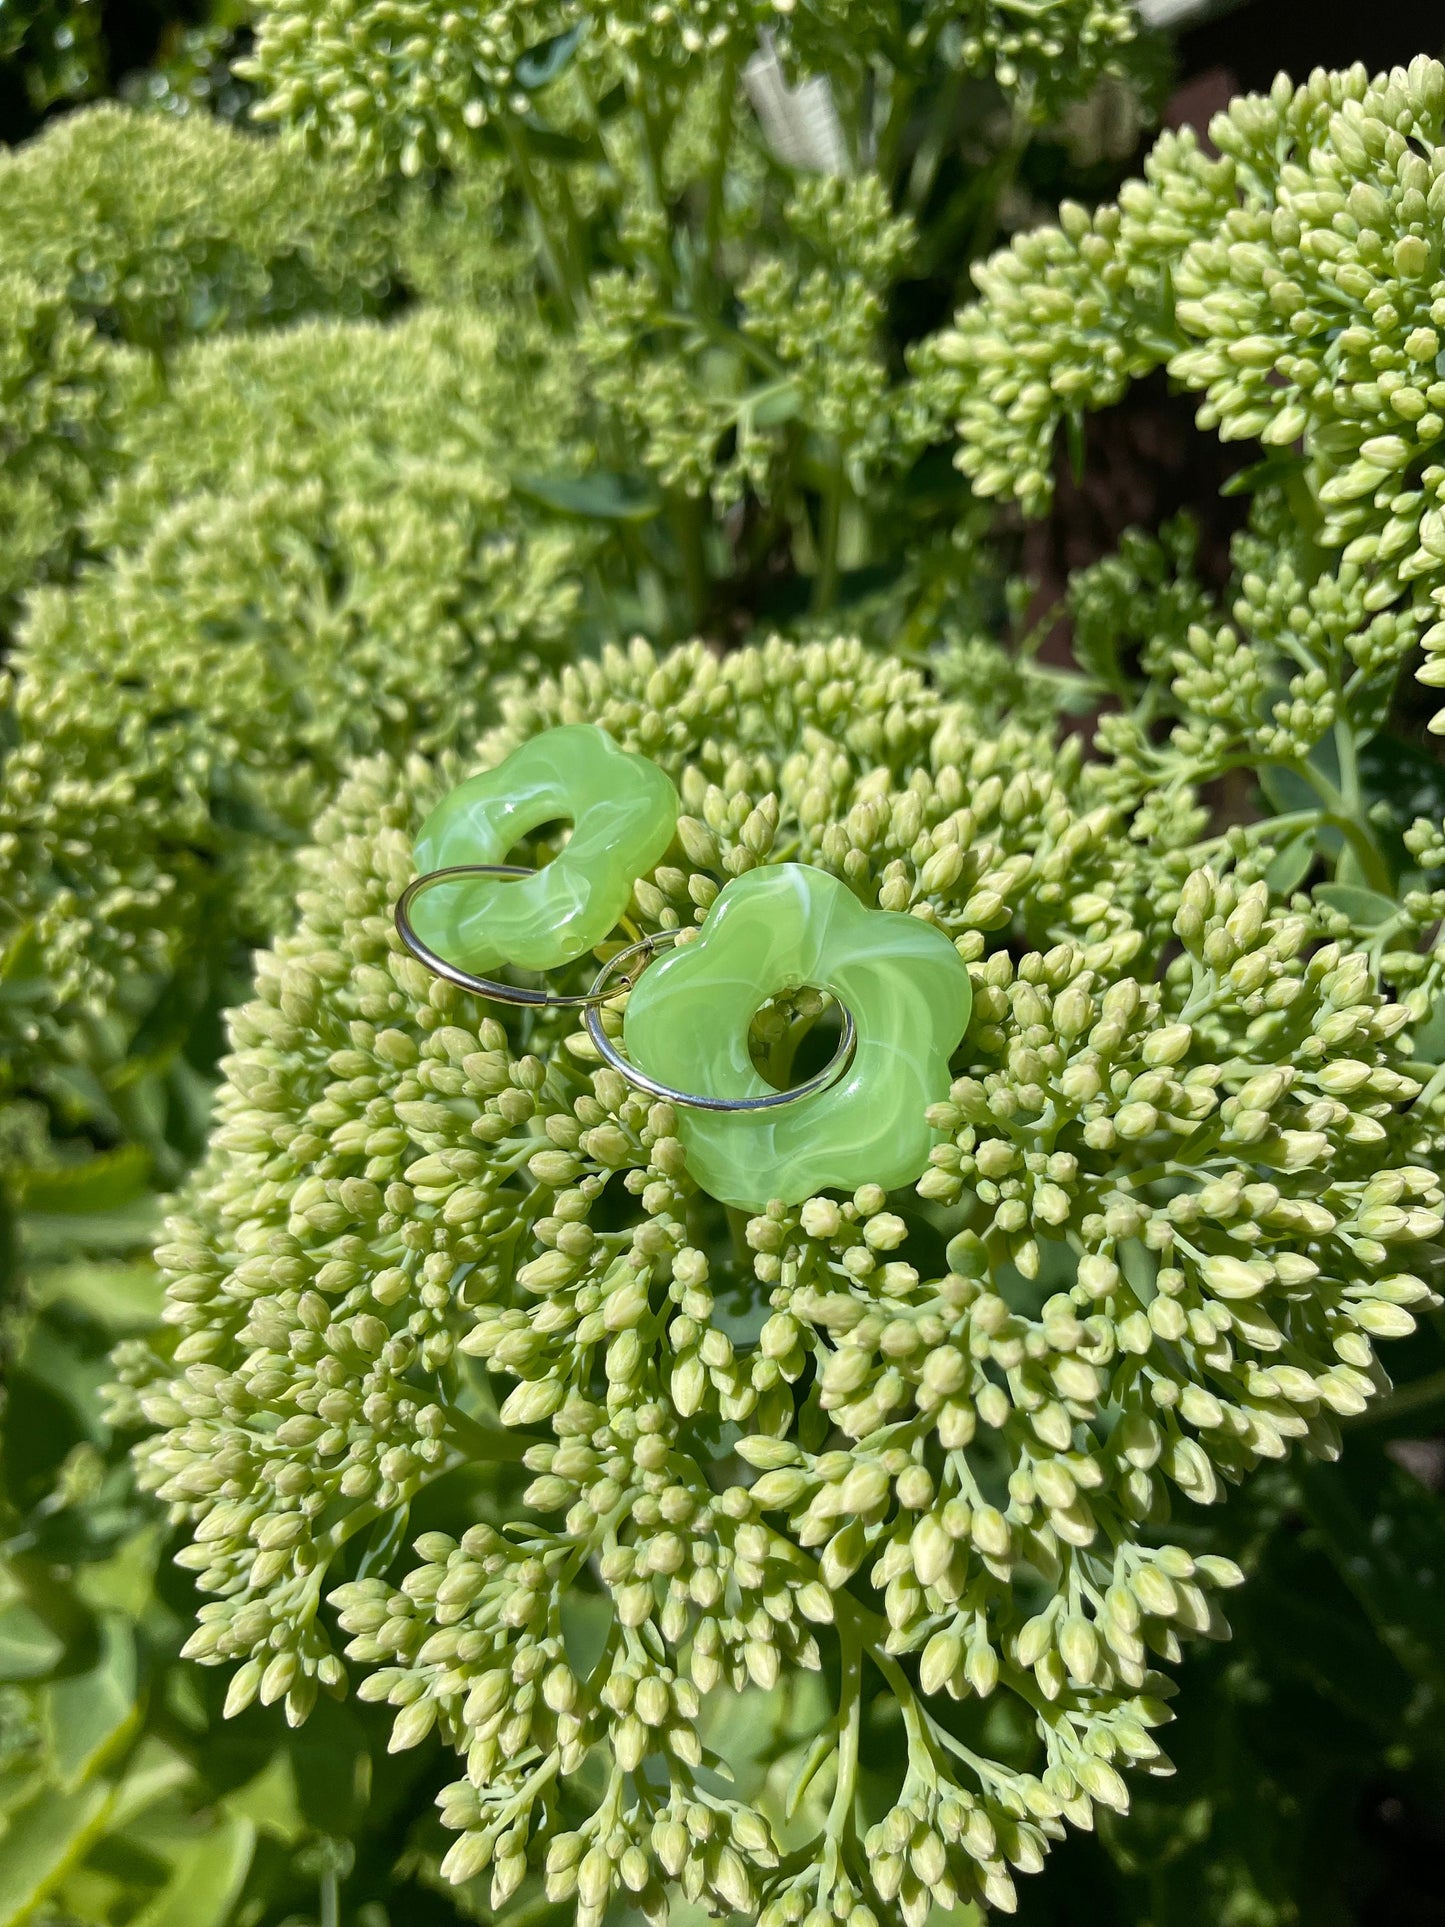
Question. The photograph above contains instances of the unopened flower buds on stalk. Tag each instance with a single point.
(924, 1444)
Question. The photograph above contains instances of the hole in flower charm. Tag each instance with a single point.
(778, 929)
(623, 810)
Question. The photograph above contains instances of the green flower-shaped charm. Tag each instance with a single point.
(777, 929)
(623, 810)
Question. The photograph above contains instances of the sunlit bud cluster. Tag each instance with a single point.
(315, 548)
(124, 229)
(916, 1449)
(1292, 279)
(408, 83)
(811, 355)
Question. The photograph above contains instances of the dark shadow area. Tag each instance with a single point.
(1258, 40)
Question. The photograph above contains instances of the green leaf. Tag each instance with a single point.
(331, 1768)
(551, 146)
(58, 1234)
(823, 1747)
(542, 63)
(1291, 865)
(28, 1647)
(1365, 908)
(1078, 455)
(235, 808)
(1350, 870)
(68, 1372)
(383, 1542)
(117, 1297)
(1386, 1534)
(1430, 1035)
(123, 1545)
(167, 1024)
(1286, 790)
(271, 1801)
(1370, 700)
(772, 406)
(598, 497)
(586, 1622)
(104, 1182)
(1410, 779)
(56, 1603)
(1263, 474)
(45, 1838)
(209, 1876)
(153, 1771)
(22, 969)
(1157, 1832)
(90, 1712)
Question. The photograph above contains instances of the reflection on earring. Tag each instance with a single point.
(468, 912)
(604, 990)
(776, 929)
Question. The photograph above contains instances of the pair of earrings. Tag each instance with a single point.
(903, 991)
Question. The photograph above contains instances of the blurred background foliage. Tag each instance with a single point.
(1311, 1749)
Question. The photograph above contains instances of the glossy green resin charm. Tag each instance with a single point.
(623, 810)
(777, 929)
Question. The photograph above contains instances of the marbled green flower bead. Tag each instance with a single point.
(778, 929)
(623, 810)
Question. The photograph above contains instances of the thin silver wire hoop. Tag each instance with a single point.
(479, 986)
(693, 1100)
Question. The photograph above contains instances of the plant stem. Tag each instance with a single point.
(365, 1511)
(850, 1720)
(576, 242)
(485, 1442)
(1431, 1090)
(1347, 819)
(687, 528)
(1270, 826)
(553, 257)
(654, 146)
(717, 172)
(890, 140)
(931, 148)
(330, 1899)
(825, 582)
(1349, 767)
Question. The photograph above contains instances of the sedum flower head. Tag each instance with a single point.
(127, 228)
(158, 228)
(810, 354)
(1294, 281)
(314, 552)
(409, 83)
(1045, 53)
(1260, 675)
(923, 1444)
(65, 394)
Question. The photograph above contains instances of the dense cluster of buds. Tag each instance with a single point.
(410, 84)
(1293, 278)
(810, 347)
(125, 233)
(152, 710)
(922, 1444)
